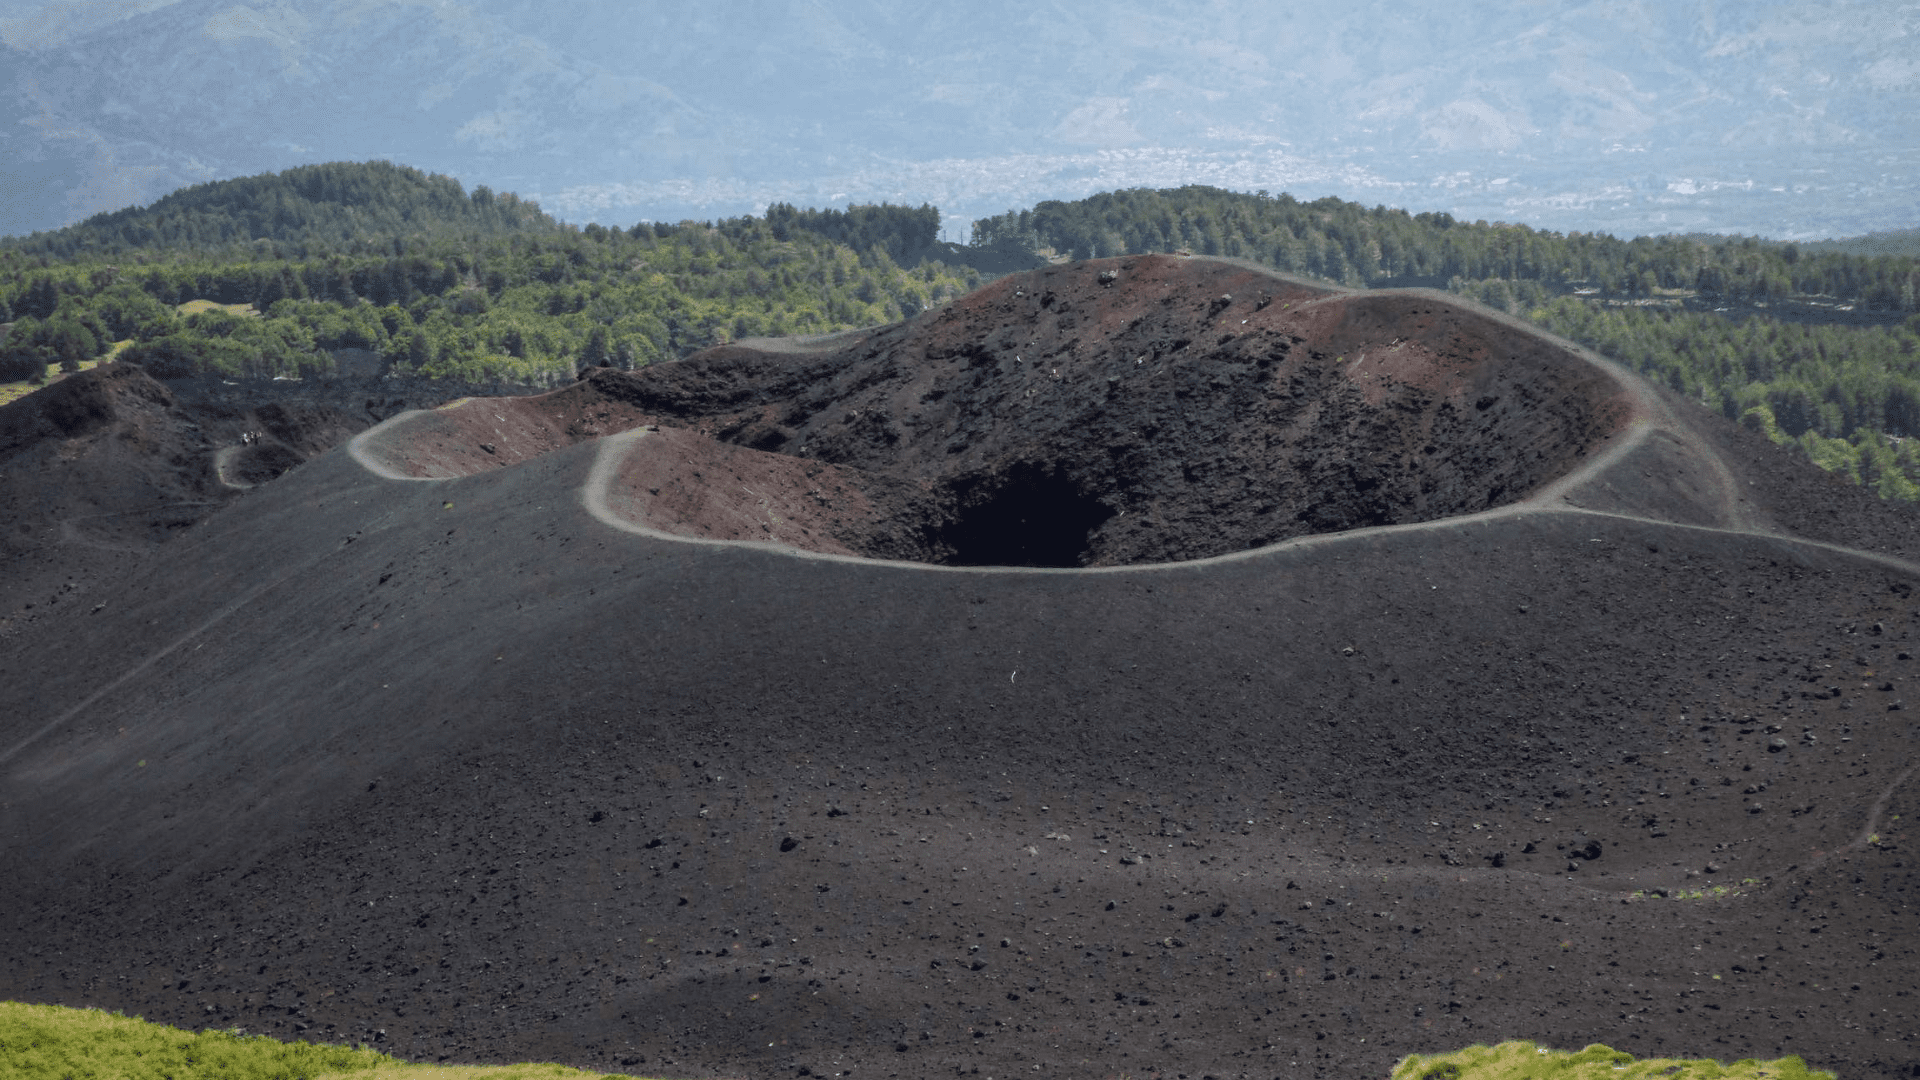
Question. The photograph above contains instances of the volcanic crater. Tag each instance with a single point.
(1107, 413)
(660, 724)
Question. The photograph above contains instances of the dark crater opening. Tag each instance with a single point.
(1027, 516)
(1126, 412)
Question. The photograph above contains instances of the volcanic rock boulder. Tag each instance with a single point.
(1109, 413)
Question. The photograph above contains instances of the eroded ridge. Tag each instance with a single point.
(1109, 413)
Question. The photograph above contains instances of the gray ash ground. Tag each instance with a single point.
(461, 769)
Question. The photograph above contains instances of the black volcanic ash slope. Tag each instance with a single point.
(99, 469)
(460, 767)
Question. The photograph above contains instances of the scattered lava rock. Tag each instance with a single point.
(192, 830)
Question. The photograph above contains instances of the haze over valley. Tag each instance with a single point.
(1787, 120)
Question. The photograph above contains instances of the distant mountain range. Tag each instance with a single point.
(1792, 121)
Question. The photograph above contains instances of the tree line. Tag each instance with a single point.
(300, 213)
(531, 308)
(1848, 396)
(1353, 245)
(305, 264)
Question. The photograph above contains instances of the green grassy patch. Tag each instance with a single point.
(1705, 892)
(195, 307)
(48, 1042)
(11, 392)
(14, 391)
(1530, 1061)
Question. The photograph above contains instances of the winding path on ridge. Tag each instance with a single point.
(466, 740)
(1651, 416)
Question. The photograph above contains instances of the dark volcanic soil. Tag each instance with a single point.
(1108, 413)
(99, 469)
(520, 763)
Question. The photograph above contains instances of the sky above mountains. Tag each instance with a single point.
(1788, 120)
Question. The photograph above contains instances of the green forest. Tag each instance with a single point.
(1847, 396)
(272, 276)
(1352, 245)
(305, 211)
(442, 284)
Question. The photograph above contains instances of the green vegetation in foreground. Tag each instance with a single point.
(48, 1042)
(1529, 1061)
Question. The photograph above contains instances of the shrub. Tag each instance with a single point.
(1529, 1061)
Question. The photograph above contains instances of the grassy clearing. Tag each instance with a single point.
(11, 392)
(195, 307)
(48, 1042)
(1530, 1061)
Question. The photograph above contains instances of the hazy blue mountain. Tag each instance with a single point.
(1790, 120)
